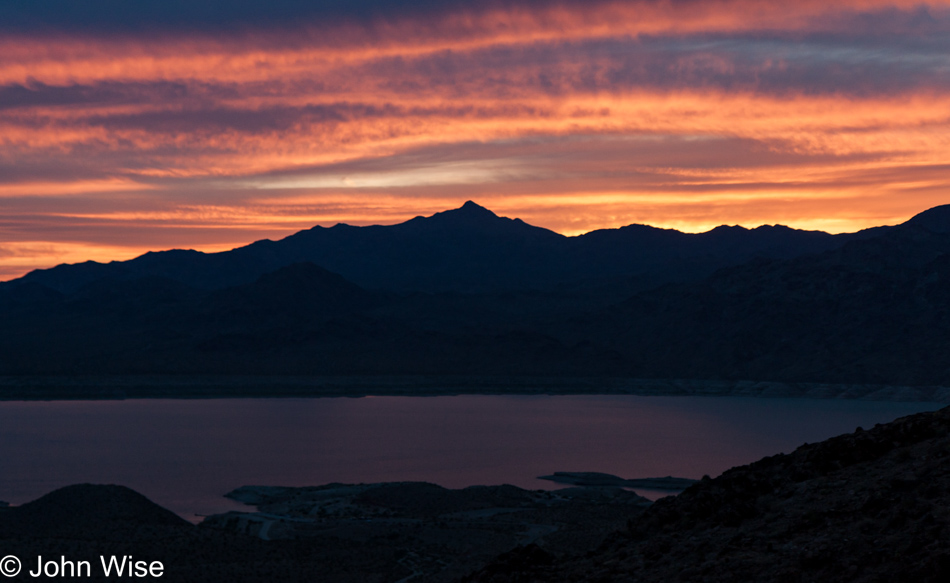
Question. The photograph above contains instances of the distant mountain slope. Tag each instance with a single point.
(469, 249)
(300, 319)
(876, 310)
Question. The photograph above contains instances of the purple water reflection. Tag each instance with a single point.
(184, 454)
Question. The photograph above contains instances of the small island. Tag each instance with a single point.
(597, 479)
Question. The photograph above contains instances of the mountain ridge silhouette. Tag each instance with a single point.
(872, 308)
(468, 249)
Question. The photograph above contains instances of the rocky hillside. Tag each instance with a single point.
(873, 505)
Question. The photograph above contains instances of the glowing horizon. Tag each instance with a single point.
(126, 133)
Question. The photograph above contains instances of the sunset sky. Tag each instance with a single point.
(135, 126)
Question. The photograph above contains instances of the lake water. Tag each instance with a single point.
(185, 454)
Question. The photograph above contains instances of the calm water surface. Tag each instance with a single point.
(186, 454)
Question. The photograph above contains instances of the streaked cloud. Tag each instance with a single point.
(178, 125)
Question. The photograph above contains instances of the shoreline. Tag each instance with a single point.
(87, 388)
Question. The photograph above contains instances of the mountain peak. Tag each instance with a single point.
(469, 213)
(936, 220)
(471, 209)
(472, 205)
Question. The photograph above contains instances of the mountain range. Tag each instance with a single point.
(467, 292)
(469, 249)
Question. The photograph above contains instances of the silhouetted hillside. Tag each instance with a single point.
(88, 511)
(868, 506)
(301, 290)
(469, 249)
(873, 310)
(298, 320)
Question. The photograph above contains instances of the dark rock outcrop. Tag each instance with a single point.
(868, 506)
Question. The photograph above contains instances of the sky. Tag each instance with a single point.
(156, 124)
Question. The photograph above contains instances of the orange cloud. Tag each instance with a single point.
(278, 55)
(687, 114)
